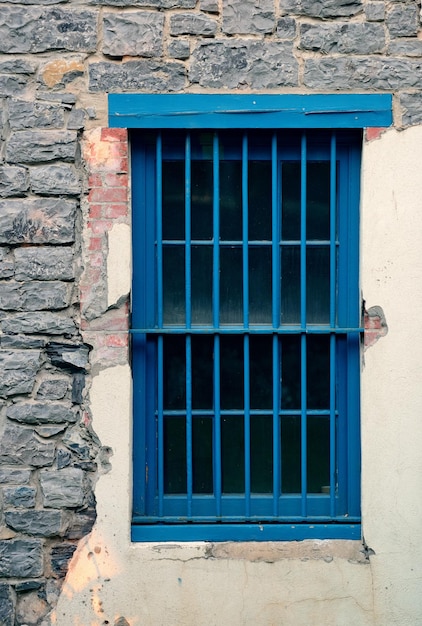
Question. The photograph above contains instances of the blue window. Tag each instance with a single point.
(246, 320)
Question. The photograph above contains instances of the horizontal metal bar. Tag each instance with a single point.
(245, 532)
(256, 242)
(240, 412)
(252, 330)
(249, 110)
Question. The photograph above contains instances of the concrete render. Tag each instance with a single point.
(374, 583)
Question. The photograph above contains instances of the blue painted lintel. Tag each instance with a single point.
(244, 532)
(249, 111)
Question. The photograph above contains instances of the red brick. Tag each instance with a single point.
(95, 243)
(117, 341)
(99, 227)
(106, 194)
(374, 133)
(116, 180)
(95, 211)
(95, 180)
(114, 134)
(116, 210)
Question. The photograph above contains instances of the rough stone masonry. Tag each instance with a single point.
(64, 187)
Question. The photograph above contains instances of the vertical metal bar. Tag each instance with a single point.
(333, 308)
(246, 352)
(188, 271)
(189, 464)
(160, 426)
(160, 359)
(276, 425)
(276, 287)
(216, 323)
(304, 447)
(247, 424)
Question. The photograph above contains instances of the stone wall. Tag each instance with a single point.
(64, 189)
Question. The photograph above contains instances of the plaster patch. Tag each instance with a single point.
(118, 263)
(54, 72)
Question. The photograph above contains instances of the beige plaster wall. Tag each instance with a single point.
(290, 584)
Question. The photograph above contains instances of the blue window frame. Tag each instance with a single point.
(246, 317)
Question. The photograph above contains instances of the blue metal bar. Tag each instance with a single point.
(247, 425)
(333, 311)
(189, 465)
(245, 230)
(159, 227)
(217, 428)
(276, 221)
(160, 425)
(276, 425)
(188, 267)
(253, 330)
(303, 346)
(216, 233)
(290, 412)
(249, 110)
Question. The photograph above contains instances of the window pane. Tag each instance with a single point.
(290, 285)
(290, 373)
(201, 284)
(232, 454)
(202, 372)
(318, 285)
(231, 286)
(318, 200)
(173, 285)
(231, 372)
(173, 199)
(260, 198)
(202, 455)
(231, 200)
(261, 454)
(174, 455)
(202, 199)
(260, 275)
(290, 454)
(261, 372)
(318, 454)
(174, 372)
(318, 372)
(290, 209)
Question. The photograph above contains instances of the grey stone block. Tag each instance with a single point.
(286, 28)
(13, 85)
(403, 20)
(21, 342)
(260, 65)
(63, 458)
(55, 180)
(19, 369)
(7, 606)
(81, 524)
(411, 108)
(76, 119)
(209, 6)
(17, 65)
(35, 523)
(192, 24)
(23, 114)
(362, 73)
(26, 146)
(14, 181)
(242, 17)
(13, 476)
(7, 263)
(78, 442)
(60, 557)
(54, 389)
(405, 47)
(21, 496)
(62, 488)
(34, 29)
(52, 263)
(137, 33)
(38, 323)
(343, 38)
(50, 431)
(34, 296)
(21, 558)
(153, 4)
(71, 357)
(151, 76)
(37, 221)
(20, 446)
(41, 413)
(375, 11)
(325, 9)
(179, 49)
